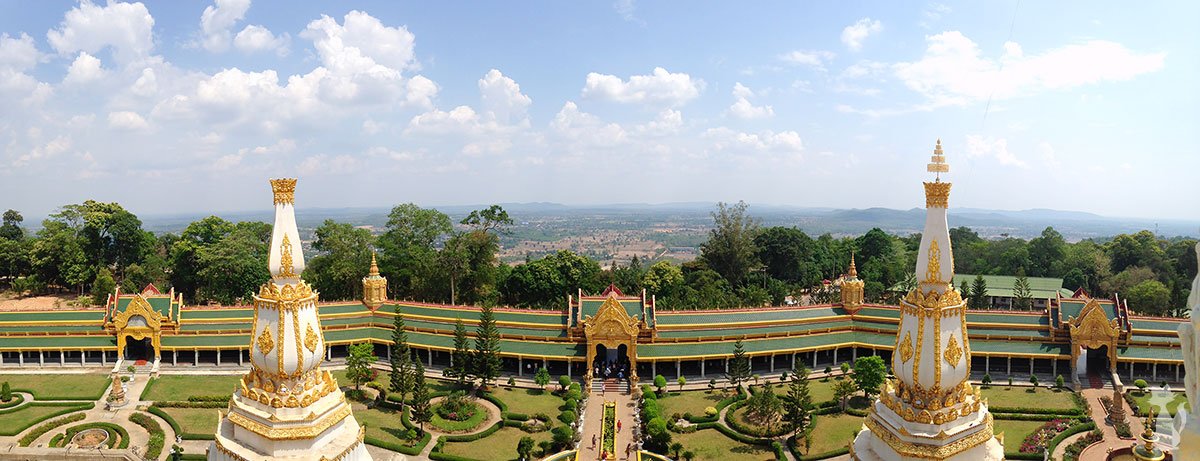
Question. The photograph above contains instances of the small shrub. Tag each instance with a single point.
(1141, 384)
(710, 411)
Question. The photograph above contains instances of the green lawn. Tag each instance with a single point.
(180, 387)
(1015, 432)
(384, 378)
(500, 446)
(821, 391)
(709, 444)
(381, 423)
(832, 432)
(1002, 396)
(13, 422)
(60, 387)
(1143, 402)
(195, 420)
(693, 402)
(466, 425)
(529, 401)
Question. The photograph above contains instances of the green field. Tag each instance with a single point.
(1143, 402)
(60, 386)
(381, 423)
(832, 432)
(529, 401)
(1015, 432)
(821, 391)
(709, 444)
(693, 402)
(180, 387)
(1002, 396)
(13, 422)
(195, 420)
(500, 446)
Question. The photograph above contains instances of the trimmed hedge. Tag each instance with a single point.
(697, 419)
(411, 451)
(495, 401)
(146, 390)
(34, 434)
(192, 404)
(69, 407)
(210, 398)
(155, 446)
(44, 396)
(522, 417)
(115, 434)
(17, 399)
(1037, 411)
(1078, 428)
(1033, 417)
(473, 437)
(157, 411)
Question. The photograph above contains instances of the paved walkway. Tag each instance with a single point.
(1099, 451)
(594, 419)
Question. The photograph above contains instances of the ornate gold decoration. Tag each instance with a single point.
(932, 303)
(285, 258)
(374, 287)
(937, 163)
(611, 322)
(264, 342)
(139, 307)
(1093, 329)
(933, 270)
(286, 296)
(937, 194)
(284, 190)
(906, 348)
(937, 351)
(953, 352)
(310, 339)
(932, 452)
(916, 374)
(290, 433)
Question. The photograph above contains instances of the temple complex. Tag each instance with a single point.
(930, 411)
(287, 407)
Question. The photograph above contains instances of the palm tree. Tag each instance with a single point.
(675, 447)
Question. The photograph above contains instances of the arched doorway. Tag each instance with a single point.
(138, 349)
(1097, 361)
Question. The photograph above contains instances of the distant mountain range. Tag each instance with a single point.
(1073, 225)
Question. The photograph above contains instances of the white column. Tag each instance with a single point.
(21, 358)
(678, 365)
(1010, 365)
(653, 369)
(1055, 368)
(42, 358)
(329, 353)
(520, 367)
(569, 368)
(702, 367)
(195, 357)
(772, 363)
(1154, 371)
(794, 360)
(1031, 366)
(82, 357)
(854, 353)
(239, 357)
(218, 361)
(103, 358)
(62, 359)
(174, 358)
(430, 357)
(814, 353)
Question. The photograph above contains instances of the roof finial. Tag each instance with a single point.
(853, 268)
(938, 163)
(374, 267)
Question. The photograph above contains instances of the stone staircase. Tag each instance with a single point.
(610, 385)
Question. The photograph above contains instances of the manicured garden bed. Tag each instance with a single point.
(181, 387)
(500, 446)
(609, 429)
(713, 445)
(1142, 399)
(529, 401)
(194, 421)
(1015, 432)
(60, 386)
(458, 414)
(15, 421)
(690, 402)
(832, 432)
(1020, 397)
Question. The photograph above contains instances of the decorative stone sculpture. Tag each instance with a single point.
(1189, 337)
(116, 396)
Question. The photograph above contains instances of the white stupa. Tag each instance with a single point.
(1189, 338)
(286, 407)
(930, 411)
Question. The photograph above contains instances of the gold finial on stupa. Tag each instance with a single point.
(937, 163)
(284, 190)
(374, 266)
(853, 272)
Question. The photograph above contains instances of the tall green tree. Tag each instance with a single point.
(787, 255)
(1149, 297)
(799, 398)
(739, 365)
(476, 250)
(401, 377)
(344, 254)
(979, 296)
(486, 358)
(11, 228)
(110, 235)
(236, 266)
(409, 256)
(102, 286)
(869, 373)
(663, 279)
(1022, 296)
(730, 249)
(843, 389)
(1046, 253)
(422, 412)
(460, 368)
(358, 363)
(58, 258)
(183, 255)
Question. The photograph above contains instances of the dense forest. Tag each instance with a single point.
(92, 247)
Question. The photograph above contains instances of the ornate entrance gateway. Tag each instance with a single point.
(1093, 330)
(612, 329)
(142, 324)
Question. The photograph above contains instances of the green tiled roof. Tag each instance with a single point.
(684, 350)
(558, 318)
(1174, 340)
(723, 317)
(507, 346)
(94, 315)
(1019, 347)
(1160, 325)
(75, 328)
(57, 342)
(203, 341)
(1074, 307)
(732, 332)
(891, 313)
(633, 307)
(1002, 285)
(201, 313)
(1016, 332)
(1015, 318)
(1150, 353)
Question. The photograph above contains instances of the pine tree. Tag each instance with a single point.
(979, 293)
(799, 398)
(401, 359)
(486, 360)
(460, 358)
(964, 290)
(739, 365)
(421, 410)
(1022, 297)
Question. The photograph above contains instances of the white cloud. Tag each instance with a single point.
(146, 84)
(668, 121)
(660, 86)
(420, 91)
(725, 139)
(255, 38)
(626, 8)
(583, 130)
(742, 91)
(53, 148)
(997, 148)
(502, 99)
(218, 19)
(1049, 156)
(325, 164)
(744, 109)
(126, 120)
(812, 58)
(438, 122)
(854, 34)
(933, 13)
(126, 27)
(18, 53)
(86, 68)
(953, 70)
(864, 69)
(361, 44)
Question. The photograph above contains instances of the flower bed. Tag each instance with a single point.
(1073, 450)
(456, 413)
(1039, 439)
(609, 429)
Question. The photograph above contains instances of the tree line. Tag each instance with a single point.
(94, 246)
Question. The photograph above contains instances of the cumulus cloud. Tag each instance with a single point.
(218, 19)
(502, 98)
(18, 53)
(660, 87)
(854, 34)
(86, 68)
(744, 109)
(256, 38)
(583, 130)
(812, 58)
(668, 122)
(361, 44)
(725, 139)
(953, 70)
(991, 147)
(126, 120)
(56, 146)
(125, 27)
(326, 164)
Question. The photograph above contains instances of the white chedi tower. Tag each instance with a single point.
(286, 407)
(930, 411)
(1189, 338)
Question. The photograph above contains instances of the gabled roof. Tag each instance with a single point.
(1002, 285)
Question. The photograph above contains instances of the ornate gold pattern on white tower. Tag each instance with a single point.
(374, 287)
(930, 411)
(286, 407)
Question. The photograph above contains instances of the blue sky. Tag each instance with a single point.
(190, 106)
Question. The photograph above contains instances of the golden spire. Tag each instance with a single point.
(284, 190)
(374, 266)
(853, 272)
(938, 163)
